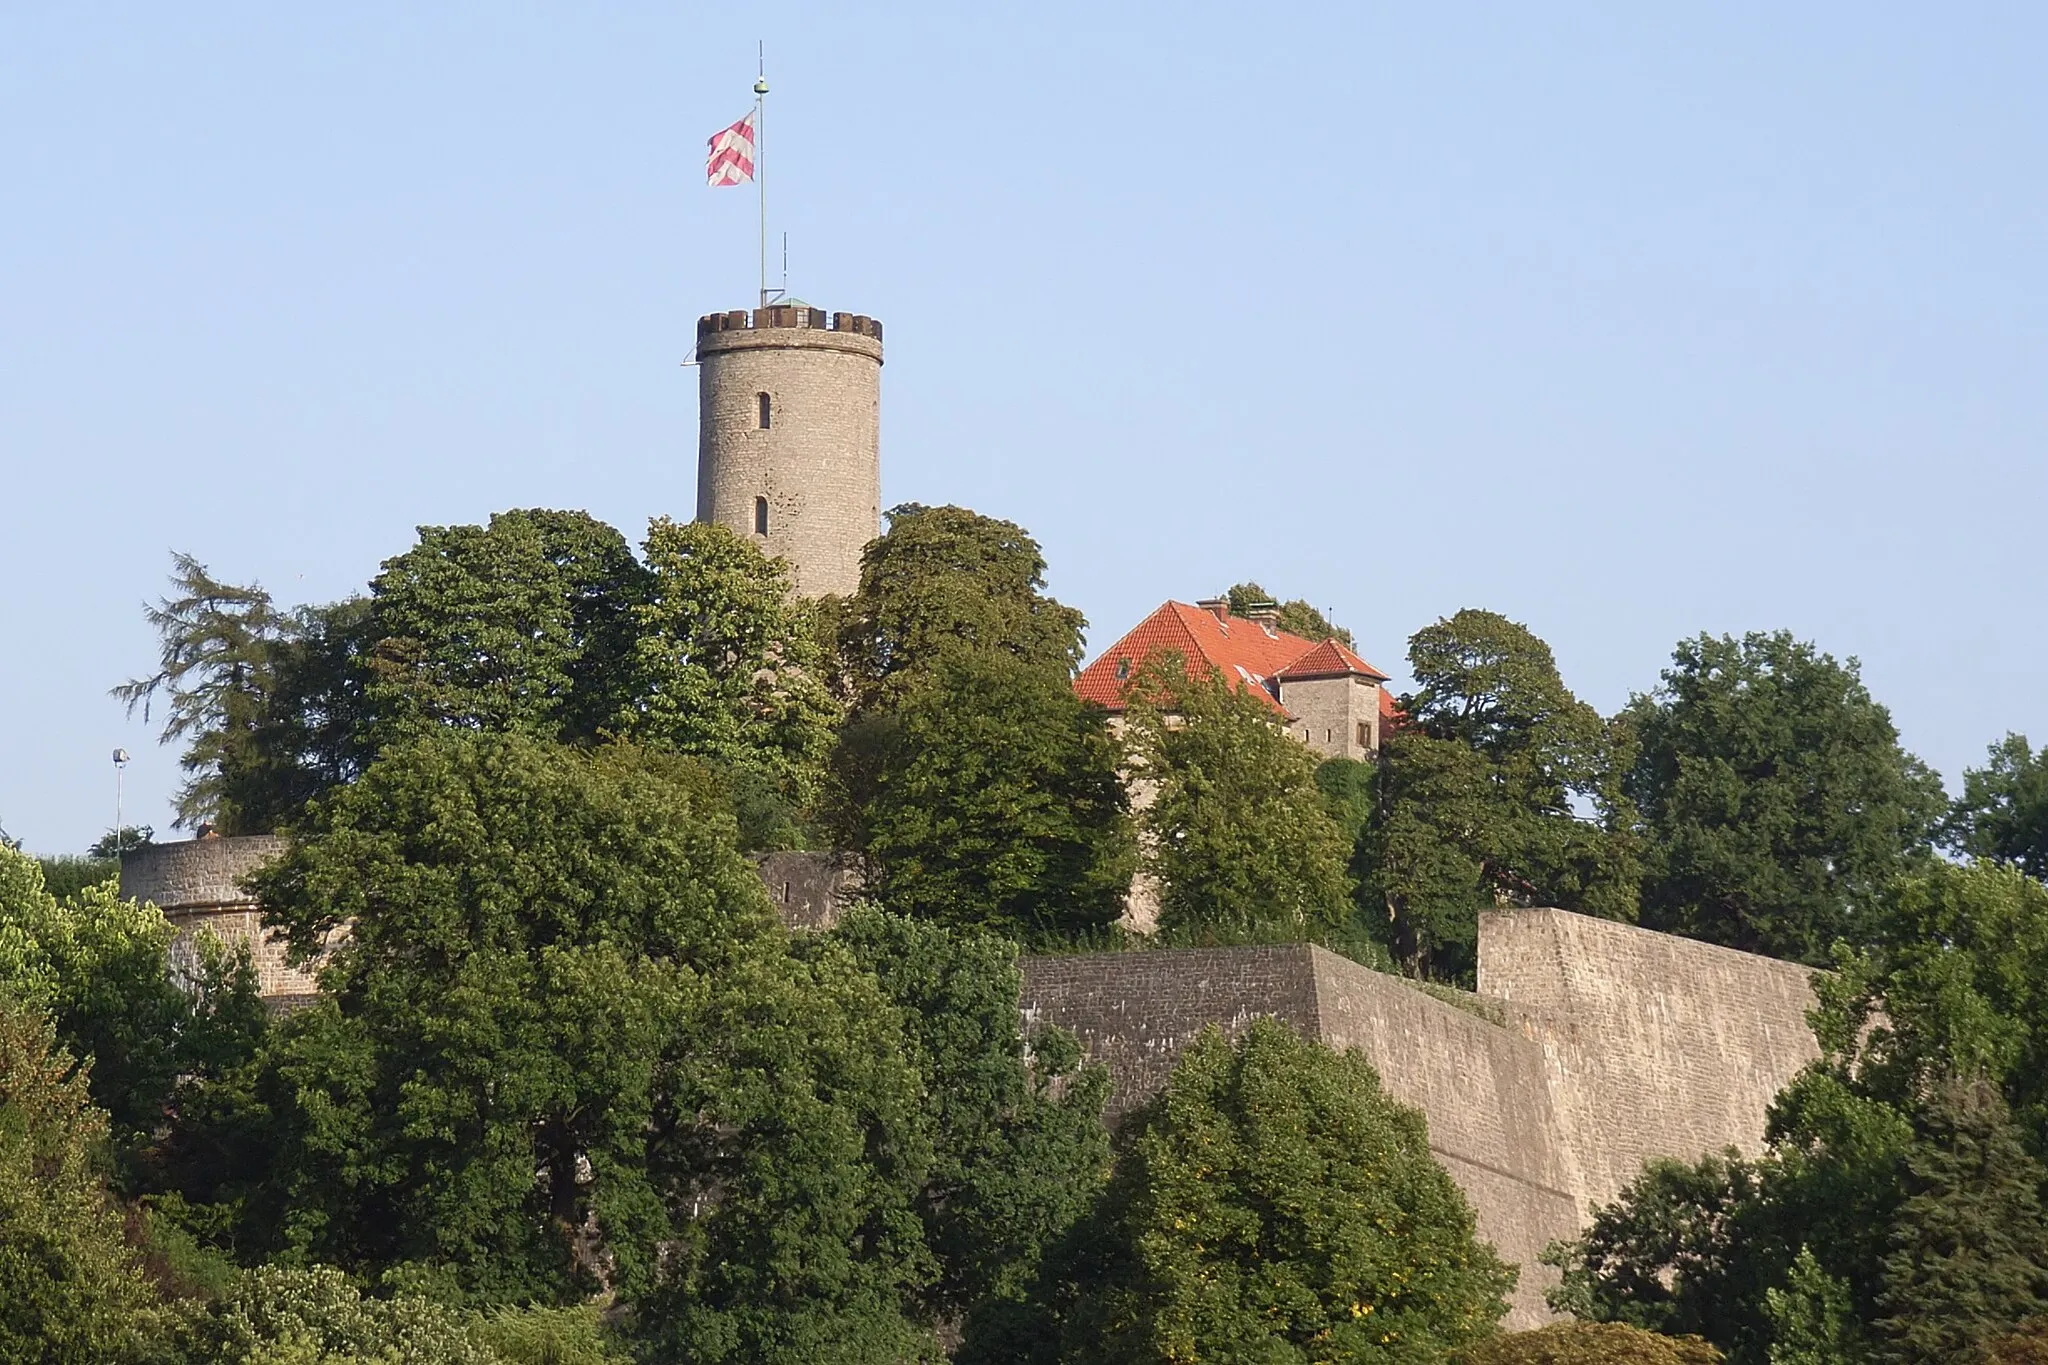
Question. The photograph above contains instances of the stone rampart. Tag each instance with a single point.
(1654, 1045)
(1613, 1045)
(808, 889)
(198, 885)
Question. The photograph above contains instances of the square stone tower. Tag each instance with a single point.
(789, 402)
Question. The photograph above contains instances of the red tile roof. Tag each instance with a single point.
(1330, 659)
(1240, 649)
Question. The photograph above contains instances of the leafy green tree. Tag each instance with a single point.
(2003, 811)
(727, 660)
(525, 625)
(215, 646)
(942, 579)
(115, 842)
(525, 921)
(71, 1292)
(278, 1315)
(988, 794)
(100, 965)
(1969, 1246)
(1296, 617)
(1019, 1150)
(1501, 788)
(1238, 836)
(1587, 1343)
(65, 875)
(316, 730)
(1801, 1247)
(789, 1151)
(1813, 1318)
(1276, 1206)
(1774, 797)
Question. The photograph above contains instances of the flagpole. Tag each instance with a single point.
(760, 168)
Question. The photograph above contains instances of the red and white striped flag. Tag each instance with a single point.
(732, 154)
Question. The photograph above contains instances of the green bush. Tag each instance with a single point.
(1589, 1343)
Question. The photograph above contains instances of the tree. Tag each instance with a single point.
(789, 1150)
(522, 625)
(1018, 1147)
(1296, 617)
(1239, 838)
(71, 1292)
(1586, 1343)
(115, 842)
(527, 925)
(1276, 1206)
(1969, 1247)
(727, 660)
(1500, 788)
(942, 579)
(278, 1315)
(2003, 811)
(316, 731)
(2026, 1344)
(987, 794)
(1774, 797)
(215, 642)
(100, 966)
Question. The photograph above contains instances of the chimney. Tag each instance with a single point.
(1267, 614)
(1218, 607)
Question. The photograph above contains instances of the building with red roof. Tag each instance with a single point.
(1324, 694)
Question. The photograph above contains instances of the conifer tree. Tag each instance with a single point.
(1969, 1247)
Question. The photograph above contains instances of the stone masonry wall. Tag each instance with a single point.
(818, 462)
(1481, 1087)
(1616, 1045)
(1654, 1045)
(808, 889)
(197, 884)
(1328, 712)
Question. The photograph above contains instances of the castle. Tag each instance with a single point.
(1588, 1047)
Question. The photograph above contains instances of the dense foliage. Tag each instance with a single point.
(1774, 796)
(1482, 795)
(1588, 1343)
(2002, 814)
(1274, 1205)
(1239, 840)
(1295, 616)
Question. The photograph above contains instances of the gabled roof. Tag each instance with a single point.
(1252, 656)
(1330, 659)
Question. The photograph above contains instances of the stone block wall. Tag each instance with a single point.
(198, 886)
(1591, 1047)
(1654, 1045)
(816, 464)
(1331, 714)
(808, 890)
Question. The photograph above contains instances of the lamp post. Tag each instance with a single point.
(120, 833)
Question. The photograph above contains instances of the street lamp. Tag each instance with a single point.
(120, 762)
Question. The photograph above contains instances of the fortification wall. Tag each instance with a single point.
(198, 886)
(1481, 1087)
(1591, 1047)
(1653, 1045)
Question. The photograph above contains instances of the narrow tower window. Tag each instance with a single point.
(761, 514)
(767, 413)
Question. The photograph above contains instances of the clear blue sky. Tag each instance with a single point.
(1627, 321)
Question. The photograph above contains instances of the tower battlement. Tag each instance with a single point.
(786, 315)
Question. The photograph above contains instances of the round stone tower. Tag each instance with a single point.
(789, 436)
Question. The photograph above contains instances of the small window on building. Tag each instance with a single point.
(1364, 735)
(767, 410)
(760, 516)
(1123, 669)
